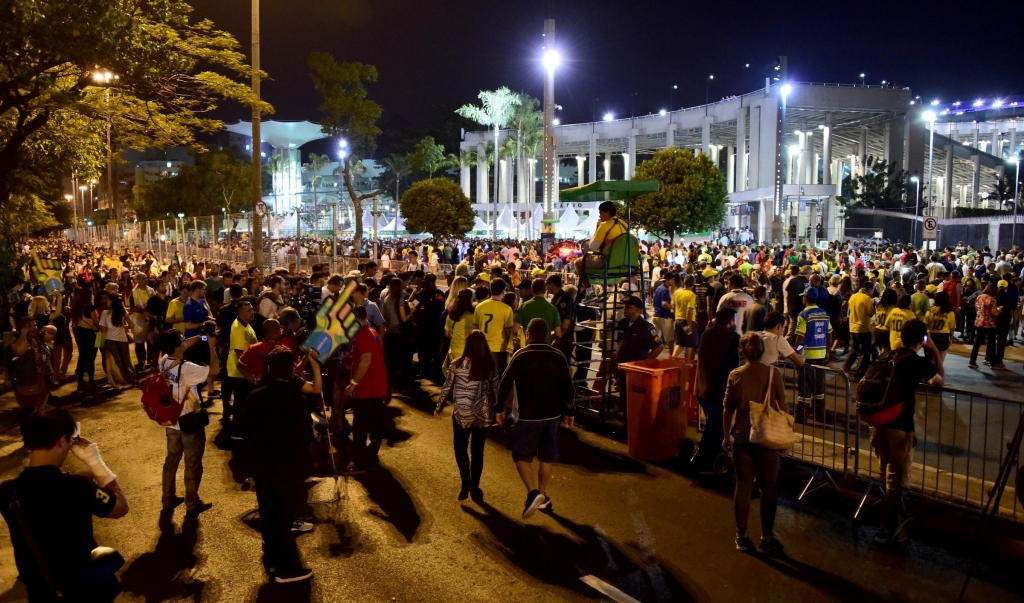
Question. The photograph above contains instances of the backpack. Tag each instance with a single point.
(157, 400)
(875, 405)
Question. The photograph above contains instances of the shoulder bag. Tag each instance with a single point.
(770, 426)
(98, 581)
(197, 419)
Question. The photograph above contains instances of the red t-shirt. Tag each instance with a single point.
(374, 383)
(255, 357)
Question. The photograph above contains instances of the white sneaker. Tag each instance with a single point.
(302, 526)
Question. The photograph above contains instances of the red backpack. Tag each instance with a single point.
(157, 400)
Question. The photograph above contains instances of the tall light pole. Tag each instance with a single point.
(671, 98)
(707, 93)
(551, 61)
(1016, 200)
(929, 116)
(862, 79)
(917, 208)
(257, 164)
(74, 203)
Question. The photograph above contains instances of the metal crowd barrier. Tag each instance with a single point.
(962, 438)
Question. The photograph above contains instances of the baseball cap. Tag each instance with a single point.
(930, 288)
(709, 272)
(634, 301)
(483, 276)
(810, 293)
(1002, 284)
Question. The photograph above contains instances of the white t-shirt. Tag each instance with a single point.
(775, 348)
(191, 376)
(114, 333)
(739, 301)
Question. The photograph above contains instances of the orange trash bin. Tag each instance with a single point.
(657, 398)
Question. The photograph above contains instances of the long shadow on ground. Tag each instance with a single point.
(161, 575)
(559, 560)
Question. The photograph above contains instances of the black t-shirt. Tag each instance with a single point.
(566, 307)
(58, 508)
(158, 308)
(796, 286)
(910, 371)
(277, 429)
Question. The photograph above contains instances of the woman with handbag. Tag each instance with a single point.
(756, 389)
(471, 386)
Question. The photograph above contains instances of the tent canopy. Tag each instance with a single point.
(609, 190)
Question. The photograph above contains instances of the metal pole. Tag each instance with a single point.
(494, 201)
(334, 234)
(550, 178)
(257, 164)
(917, 211)
(376, 255)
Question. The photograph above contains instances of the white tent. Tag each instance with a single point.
(589, 224)
(567, 222)
(537, 220)
(479, 225)
(505, 221)
(368, 220)
(391, 226)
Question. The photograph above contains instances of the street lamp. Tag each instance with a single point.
(663, 113)
(671, 97)
(608, 117)
(917, 207)
(929, 116)
(862, 79)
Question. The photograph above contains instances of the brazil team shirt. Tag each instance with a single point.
(814, 325)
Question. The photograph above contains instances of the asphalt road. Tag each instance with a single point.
(621, 527)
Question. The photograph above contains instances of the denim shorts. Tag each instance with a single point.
(536, 437)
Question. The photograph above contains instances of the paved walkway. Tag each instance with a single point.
(631, 529)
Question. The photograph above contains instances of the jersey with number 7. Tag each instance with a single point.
(493, 317)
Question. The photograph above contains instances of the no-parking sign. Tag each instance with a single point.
(931, 229)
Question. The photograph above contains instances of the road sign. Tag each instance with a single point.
(931, 229)
(262, 210)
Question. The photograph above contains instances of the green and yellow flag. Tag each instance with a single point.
(48, 272)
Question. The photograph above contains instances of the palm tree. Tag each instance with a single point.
(398, 168)
(496, 109)
(315, 165)
(275, 165)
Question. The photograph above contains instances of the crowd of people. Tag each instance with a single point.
(499, 333)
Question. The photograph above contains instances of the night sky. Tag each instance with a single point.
(442, 52)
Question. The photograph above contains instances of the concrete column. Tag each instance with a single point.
(579, 170)
(1013, 142)
(464, 179)
(705, 137)
(607, 167)
(502, 182)
(974, 134)
(798, 177)
(826, 151)
(631, 154)
(862, 152)
(995, 143)
(592, 176)
(627, 166)
(963, 195)
(886, 133)
(481, 174)
(754, 152)
(814, 168)
(947, 188)
(976, 178)
(730, 170)
(670, 136)
(740, 167)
